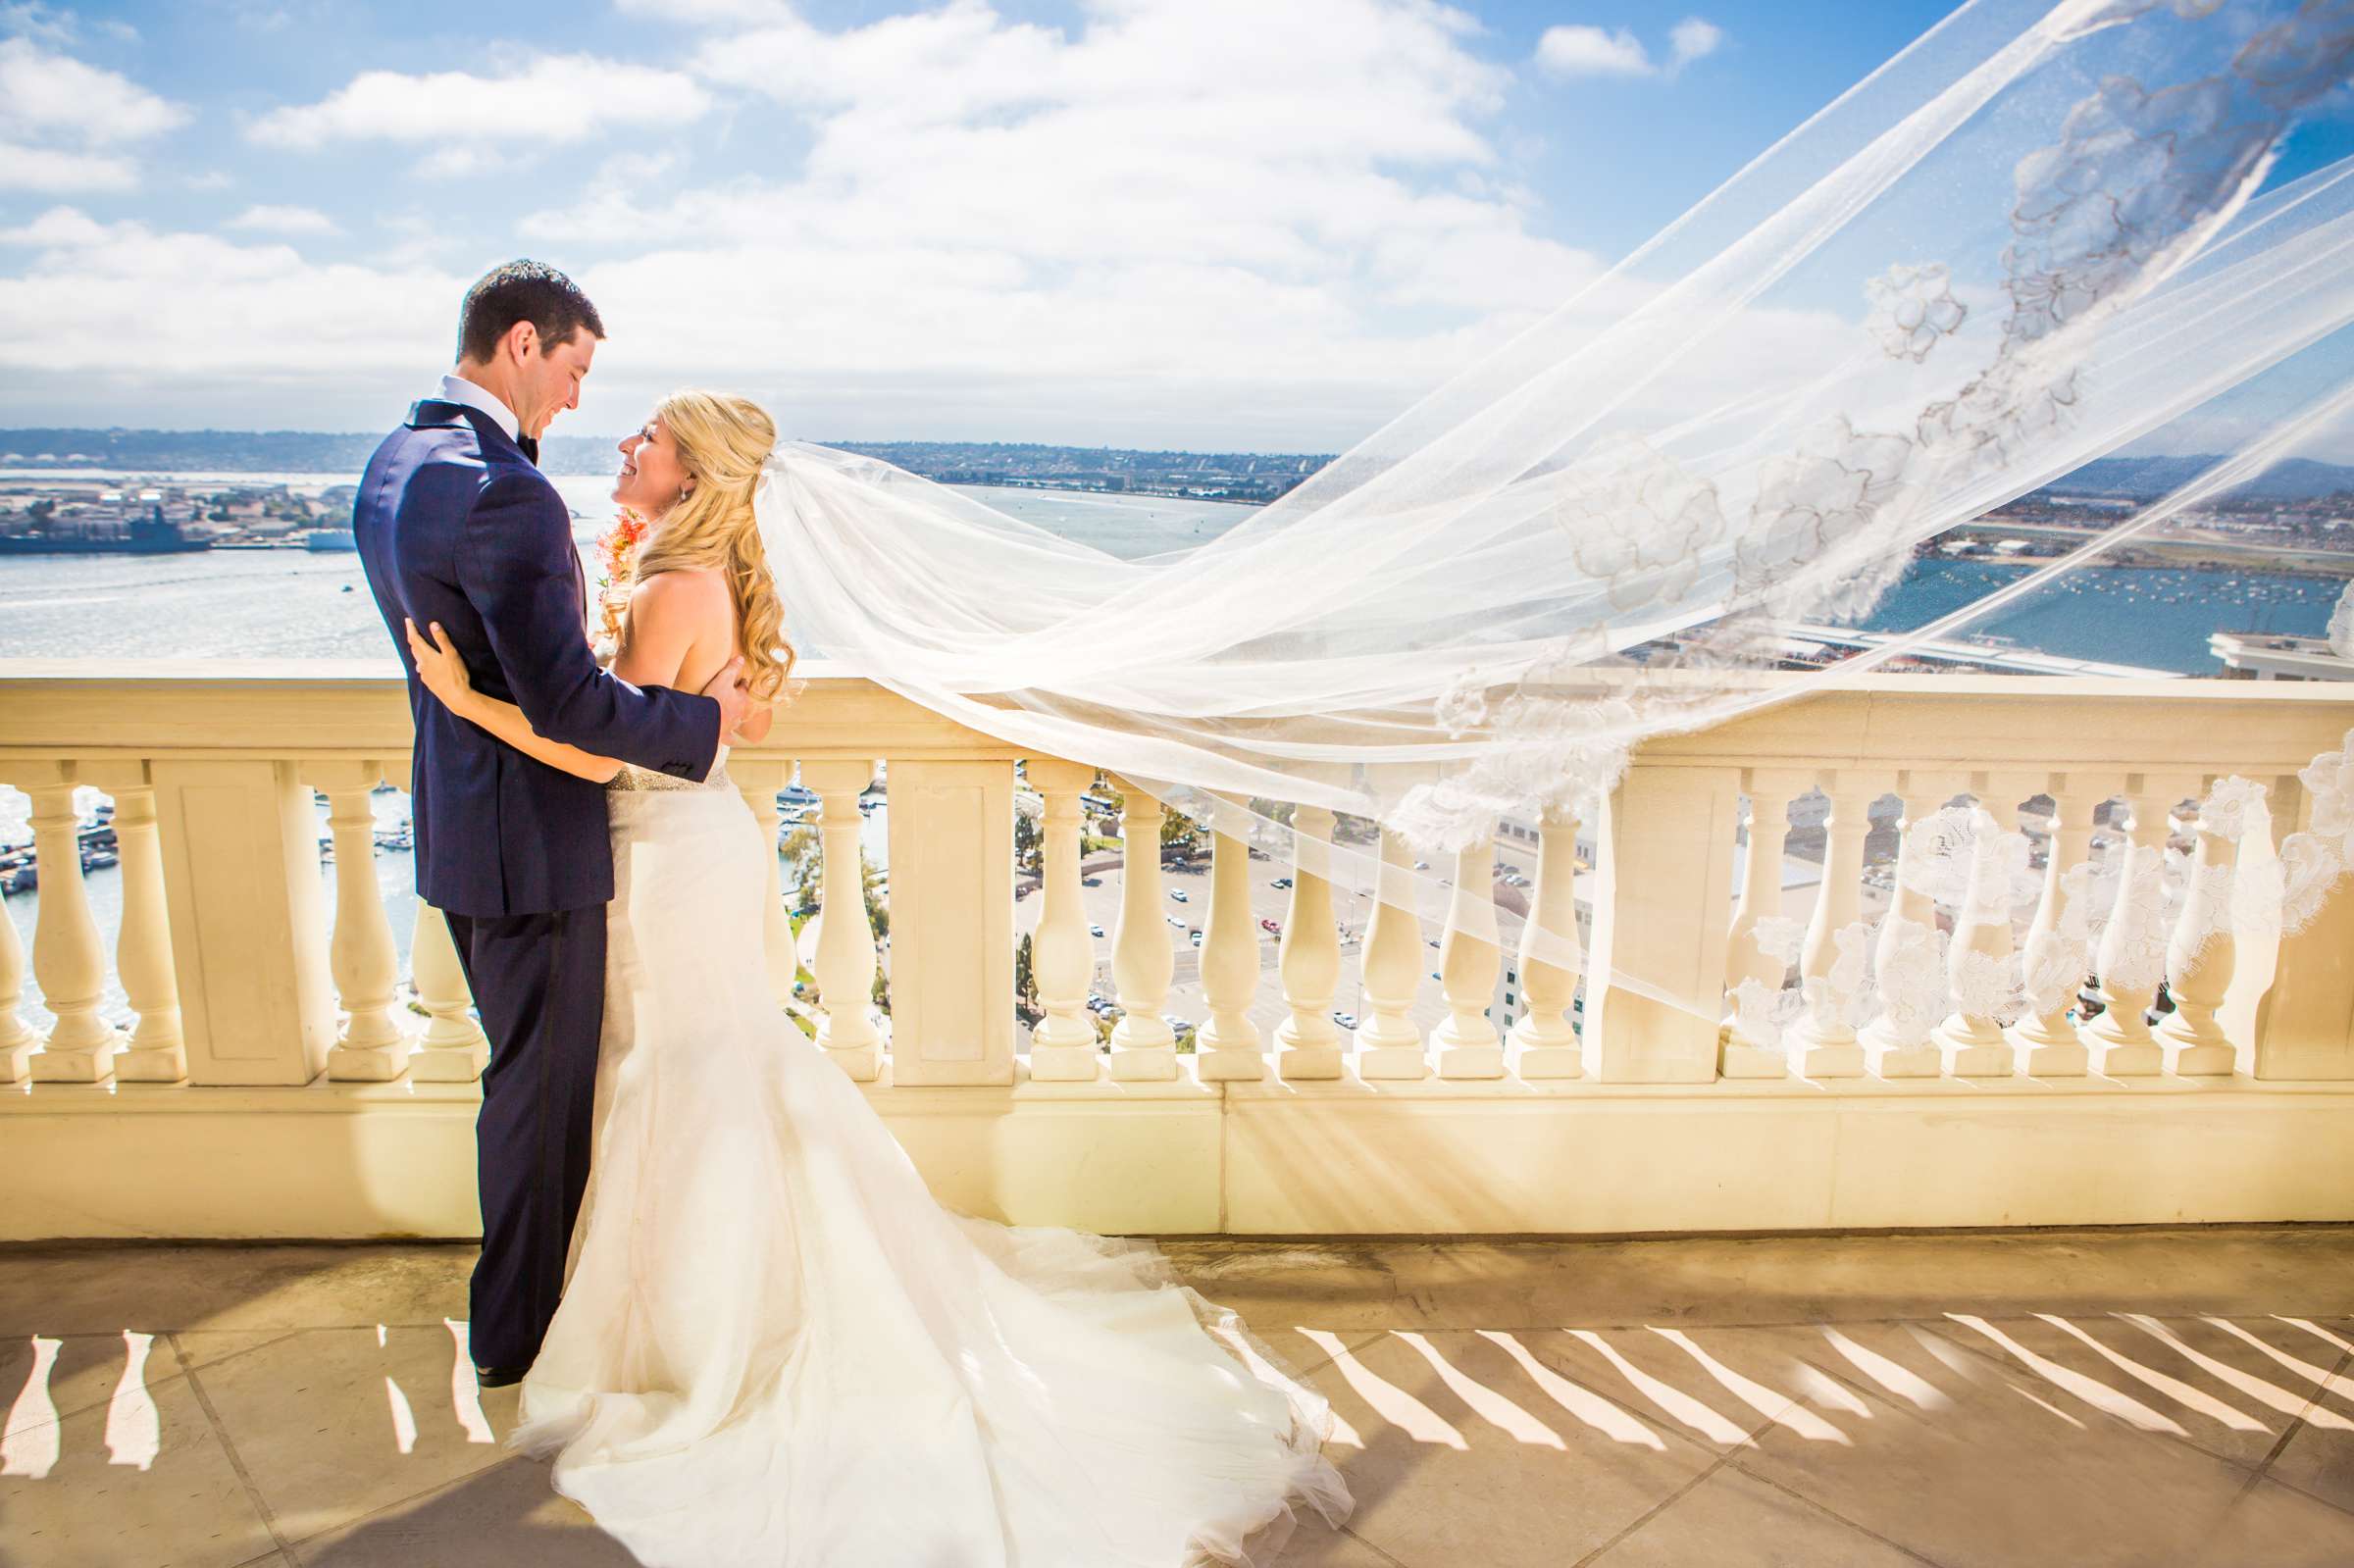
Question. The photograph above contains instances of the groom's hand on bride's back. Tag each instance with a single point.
(727, 688)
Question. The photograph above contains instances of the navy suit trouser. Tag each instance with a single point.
(539, 984)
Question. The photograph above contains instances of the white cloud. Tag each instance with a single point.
(56, 171)
(1691, 39)
(707, 12)
(554, 98)
(1579, 50)
(32, 19)
(1575, 50)
(210, 310)
(48, 94)
(285, 220)
(64, 124)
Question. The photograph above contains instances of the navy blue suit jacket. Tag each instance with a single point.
(455, 525)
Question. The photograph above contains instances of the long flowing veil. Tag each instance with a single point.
(2041, 234)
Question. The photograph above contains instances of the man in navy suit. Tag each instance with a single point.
(456, 524)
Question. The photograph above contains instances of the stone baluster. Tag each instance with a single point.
(2047, 1044)
(1307, 1042)
(1769, 791)
(2301, 1027)
(1820, 1047)
(845, 964)
(1062, 957)
(757, 779)
(452, 1049)
(2119, 1039)
(249, 918)
(1389, 1042)
(1973, 1044)
(952, 927)
(18, 1041)
(2200, 957)
(68, 956)
(1543, 1042)
(1230, 1045)
(1654, 971)
(1470, 956)
(1890, 1051)
(1142, 1046)
(158, 1049)
(371, 1046)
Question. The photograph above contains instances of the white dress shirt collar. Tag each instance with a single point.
(458, 389)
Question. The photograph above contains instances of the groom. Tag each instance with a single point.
(456, 524)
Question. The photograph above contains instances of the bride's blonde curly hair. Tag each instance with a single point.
(723, 442)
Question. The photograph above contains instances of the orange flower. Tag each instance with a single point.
(617, 552)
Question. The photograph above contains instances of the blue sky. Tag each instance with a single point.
(1268, 222)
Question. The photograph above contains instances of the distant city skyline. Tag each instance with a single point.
(1207, 225)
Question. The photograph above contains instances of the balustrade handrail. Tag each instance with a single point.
(356, 708)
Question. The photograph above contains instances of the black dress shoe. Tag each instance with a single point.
(498, 1377)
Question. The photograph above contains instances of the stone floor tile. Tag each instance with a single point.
(317, 1425)
(2319, 1460)
(1713, 1397)
(2003, 1468)
(84, 1370)
(1761, 1280)
(2200, 1373)
(2274, 1527)
(502, 1516)
(186, 1510)
(1733, 1520)
(1343, 1286)
(1465, 1445)
(102, 1289)
(1316, 1545)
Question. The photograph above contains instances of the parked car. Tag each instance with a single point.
(1091, 882)
(1281, 882)
(1180, 1025)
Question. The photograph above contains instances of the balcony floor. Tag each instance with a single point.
(1942, 1398)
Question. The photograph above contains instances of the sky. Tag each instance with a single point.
(1209, 224)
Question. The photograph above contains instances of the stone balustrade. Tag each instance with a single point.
(1686, 1058)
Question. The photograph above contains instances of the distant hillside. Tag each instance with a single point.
(2145, 479)
(1239, 476)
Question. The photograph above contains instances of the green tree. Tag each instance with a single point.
(801, 870)
(1025, 983)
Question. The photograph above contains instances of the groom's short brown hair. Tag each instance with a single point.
(523, 292)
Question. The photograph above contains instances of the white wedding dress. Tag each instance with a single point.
(775, 1347)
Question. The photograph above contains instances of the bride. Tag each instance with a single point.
(774, 1345)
